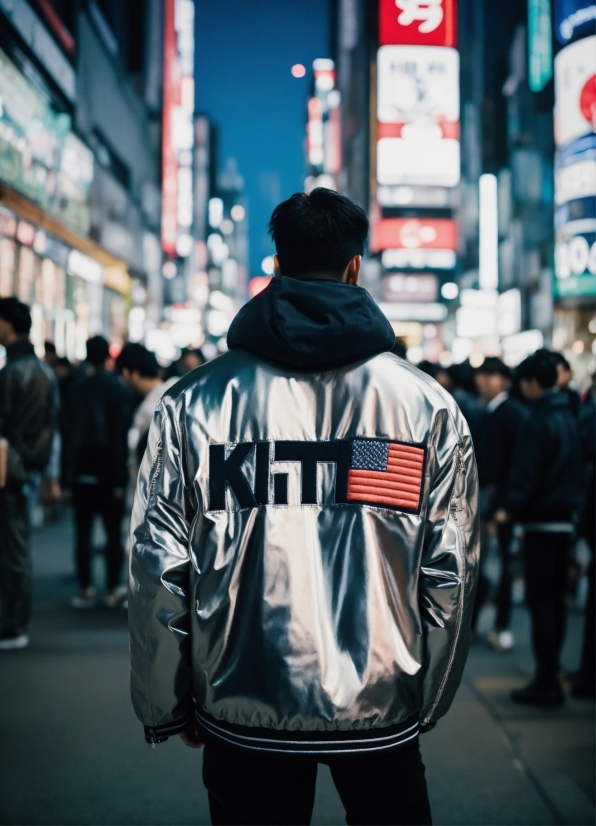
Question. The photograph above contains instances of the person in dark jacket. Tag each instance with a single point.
(544, 495)
(97, 416)
(28, 409)
(497, 434)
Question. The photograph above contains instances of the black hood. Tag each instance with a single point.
(311, 325)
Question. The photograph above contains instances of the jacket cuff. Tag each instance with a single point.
(159, 734)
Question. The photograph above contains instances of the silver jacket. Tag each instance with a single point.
(272, 591)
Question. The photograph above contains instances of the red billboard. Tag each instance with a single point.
(413, 234)
(418, 22)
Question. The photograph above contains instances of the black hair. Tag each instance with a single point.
(492, 365)
(49, 347)
(138, 359)
(17, 314)
(430, 368)
(399, 348)
(317, 234)
(98, 350)
(541, 366)
(559, 359)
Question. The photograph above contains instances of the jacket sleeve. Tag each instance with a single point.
(159, 585)
(449, 567)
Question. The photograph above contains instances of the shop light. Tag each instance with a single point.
(298, 70)
(85, 267)
(169, 270)
(450, 290)
(267, 265)
(227, 226)
(25, 233)
(215, 212)
(238, 213)
(489, 233)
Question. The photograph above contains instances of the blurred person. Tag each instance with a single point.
(437, 372)
(400, 348)
(584, 682)
(497, 436)
(306, 515)
(463, 390)
(97, 416)
(50, 354)
(28, 409)
(544, 494)
(564, 379)
(141, 372)
(190, 358)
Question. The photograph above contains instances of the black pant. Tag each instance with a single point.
(504, 590)
(252, 789)
(89, 500)
(546, 557)
(15, 561)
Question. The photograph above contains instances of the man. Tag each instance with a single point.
(28, 409)
(140, 371)
(497, 436)
(544, 494)
(97, 415)
(564, 379)
(304, 546)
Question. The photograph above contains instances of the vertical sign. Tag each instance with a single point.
(178, 133)
(540, 53)
(417, 23)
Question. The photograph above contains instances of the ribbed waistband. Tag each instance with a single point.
(309, 743)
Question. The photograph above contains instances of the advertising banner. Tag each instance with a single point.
(418, 114)
(400, 286)
(418, 22)
(413, 234)
(39, 155)
(575, 91)
(574, 18)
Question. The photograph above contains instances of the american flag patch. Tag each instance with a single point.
(386, 473)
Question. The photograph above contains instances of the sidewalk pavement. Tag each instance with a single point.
(72, 751)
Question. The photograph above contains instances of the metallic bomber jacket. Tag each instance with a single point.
(264, 597)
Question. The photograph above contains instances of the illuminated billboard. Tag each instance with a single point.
(575, 91)
(413, 234)
(178, 127)
(418, 22)
(418, 116)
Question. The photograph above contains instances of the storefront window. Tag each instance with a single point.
(7, 265)
(26, 276)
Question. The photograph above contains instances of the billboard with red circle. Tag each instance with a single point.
(418, 22)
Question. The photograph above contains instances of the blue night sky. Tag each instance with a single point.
(244, 52)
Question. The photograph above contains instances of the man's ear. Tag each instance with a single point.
(276, 267)
(352, 271)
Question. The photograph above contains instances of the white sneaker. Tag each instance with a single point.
(117, 597)
(85, 599)
(14, 643)
(501, 640)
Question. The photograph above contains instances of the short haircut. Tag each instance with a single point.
(317, 234)
(493, 365)
(98, 350)
(17, 314)
(541, 366)
(561, 360)
(49, 347)
(138, 359)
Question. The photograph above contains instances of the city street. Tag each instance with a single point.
(72, 751)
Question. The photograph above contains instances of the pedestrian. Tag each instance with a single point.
(304, 546)
(463, 390)
(544, 495)
(141, 372)
(190, 358)
(497, 436)
(28, 410)
(97, 416)
(564, 379)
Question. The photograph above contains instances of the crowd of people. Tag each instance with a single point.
(77, 433)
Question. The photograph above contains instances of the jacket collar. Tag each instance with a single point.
(311, 324)
(19, 349)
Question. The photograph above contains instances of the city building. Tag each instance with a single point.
(80, 149)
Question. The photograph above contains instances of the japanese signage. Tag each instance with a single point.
(178, 128)
(575, 265)
(413, 234)
(39, 155)
(418, 114)
(575, 91)
(400, 286)
(418, 22)
(574, 18)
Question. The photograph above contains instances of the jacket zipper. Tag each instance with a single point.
(459, 472)
(156, 468)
